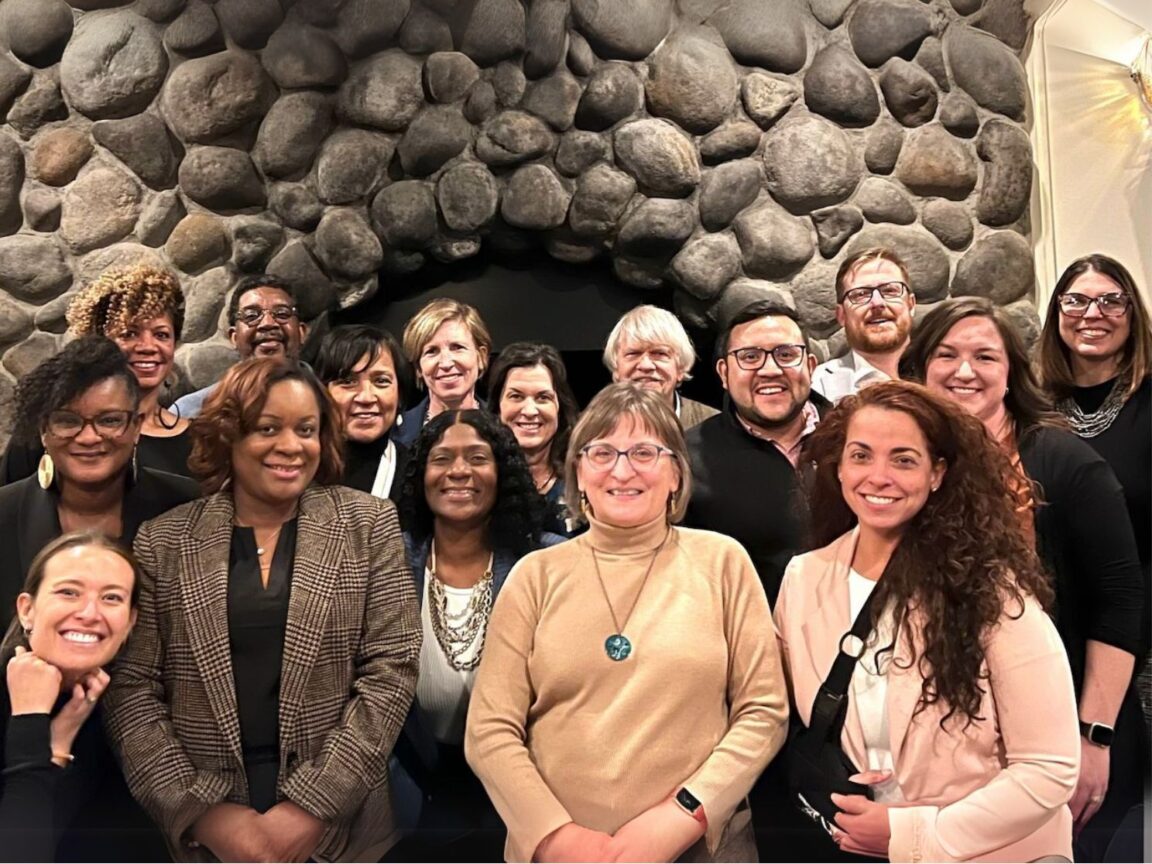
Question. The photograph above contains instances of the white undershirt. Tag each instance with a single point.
(385, 472)
(870, 690)
(441, 690)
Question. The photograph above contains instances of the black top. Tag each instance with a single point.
(162, 454)
(745, 487)
(361, 461)
(1084, 538)
(80, 813)
(257, 620)
(29, 521)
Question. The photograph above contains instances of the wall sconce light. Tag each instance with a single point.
(1142, 72)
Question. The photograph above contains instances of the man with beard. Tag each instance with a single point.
(262, 322)
(744, 461)
(874, 304)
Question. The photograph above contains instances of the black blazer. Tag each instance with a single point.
(29, 521)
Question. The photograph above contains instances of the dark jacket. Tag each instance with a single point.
(745, 487)
(29, 521)
(409, 424)
(361, 461)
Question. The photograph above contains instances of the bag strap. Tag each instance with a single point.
(828, 706)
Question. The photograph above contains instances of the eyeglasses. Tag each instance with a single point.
(107, 424)
(890, 292)
(785, 356)
(253, 315)
(642, 457)
(1076, 305)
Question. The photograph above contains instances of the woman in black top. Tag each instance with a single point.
(968, 350)
(368, 378)
(62, 796)
(141, 309)
(82, 407)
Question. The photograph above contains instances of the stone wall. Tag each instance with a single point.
(730, 148)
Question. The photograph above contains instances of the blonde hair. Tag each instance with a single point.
(418, 332)
(651, 325)
(123, 296)
(644, 408)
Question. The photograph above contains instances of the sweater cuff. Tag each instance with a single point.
(28, 743)
(911, 829)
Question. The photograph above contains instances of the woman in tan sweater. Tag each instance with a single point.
(630, 692)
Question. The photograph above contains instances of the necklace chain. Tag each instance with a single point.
(1089, 424)
(456, 639)
(639, 594)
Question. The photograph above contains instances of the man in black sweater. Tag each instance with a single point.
(745, 481)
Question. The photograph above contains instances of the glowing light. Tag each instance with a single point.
(1142, 72)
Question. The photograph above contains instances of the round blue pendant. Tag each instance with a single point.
(617, 646)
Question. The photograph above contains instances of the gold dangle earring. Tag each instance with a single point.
(585, 505)
(45, 471)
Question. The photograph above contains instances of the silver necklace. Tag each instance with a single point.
(1090, 424)
(455, 639)
(618, 646)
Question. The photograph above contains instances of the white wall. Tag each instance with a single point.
(1092, 141)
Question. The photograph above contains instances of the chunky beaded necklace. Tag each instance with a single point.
(1090, 424)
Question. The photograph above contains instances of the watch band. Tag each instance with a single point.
(691, 805)
(1099, 734)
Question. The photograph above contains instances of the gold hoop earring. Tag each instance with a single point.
(45, 472)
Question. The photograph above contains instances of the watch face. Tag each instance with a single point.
(687, 800)
(1101, 735)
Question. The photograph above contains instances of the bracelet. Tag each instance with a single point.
(67, 757)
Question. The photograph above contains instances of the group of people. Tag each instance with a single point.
(350, 609)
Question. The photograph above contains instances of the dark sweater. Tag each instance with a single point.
(746, 488)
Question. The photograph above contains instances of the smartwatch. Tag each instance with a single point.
(691, 805)
(1098, 733)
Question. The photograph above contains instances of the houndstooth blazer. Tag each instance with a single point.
(351, 657)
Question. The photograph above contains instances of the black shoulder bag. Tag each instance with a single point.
(817, 765)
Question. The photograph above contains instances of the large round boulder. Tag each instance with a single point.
(221, 179)
(210, 97)
(934, 163)
(927, 262)
(113, 66)
(999, 266)
(661, 158)
(98, 209)
(810, 163)
(384, 92)
(623, 31)
(691, 80)
(770, 36)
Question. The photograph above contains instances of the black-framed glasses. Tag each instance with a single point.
(107, 424)
(1110, 305)
(890, 292)
(785, 356)
(253, 315)
(642, 457)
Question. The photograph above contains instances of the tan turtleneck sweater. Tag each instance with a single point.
(558, 732)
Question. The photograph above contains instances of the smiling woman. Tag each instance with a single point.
(293, 599)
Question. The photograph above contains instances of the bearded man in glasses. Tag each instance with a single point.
(262, 322)
(874, 305)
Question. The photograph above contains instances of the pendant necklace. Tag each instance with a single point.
(618, 646)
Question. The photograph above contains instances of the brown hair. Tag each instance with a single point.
(422, 326)
(961, 559)
(1055, 369)
(644, 407)
(1025, 401)
(123, 296)
(35, 578)
(857, 259)
(233, 408)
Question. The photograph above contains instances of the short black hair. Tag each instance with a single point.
(257, 280)
(753, 311)
(517, 519)
(83, 363)
(343, 346)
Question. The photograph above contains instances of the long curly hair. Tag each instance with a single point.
(517, 518)
(123, 296)
(963, 560)
(232, 410)
(65, 376)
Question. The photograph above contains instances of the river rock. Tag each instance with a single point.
(706, 264)
(958, 115)
(810, 163)
(534, 199)
(353, 164)
(367, 26)
(883, 201)
(195, 32)
(384, 92)
(837, 86)
(909, 92)
(949, 221)
(448, 75)
(59, 154)
(768, 36)
(37, 30)
(42, 209)
(113, 66)
(554, 99)
(221, 179)
(733, 140)
(881, 29)
(934, 163)
(159, 218)
(492, 31)
(999, 266)
(623, 31)
(767, 98)
(1006, 188)
(296, 265)
(468, 195)
(512, 137)
(885, 140)
(199, 241)
(404, 214)
(773, 242)
(439, 133)
(32, 268)
(726, 190)
(613, 93)
(834, 225)
(987, 70)
(296, 205)
(254, 239)
(209, 97)
(347, 246)
(579, 151)
(249, 23)
(661, 158)
(298, 57)
(98, 209)
(655, 229)
(691, 80)
(599, 201)
(143, 144)
(293, 130)
(927, 262)
(546, 32)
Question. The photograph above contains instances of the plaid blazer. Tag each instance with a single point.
(351, 657)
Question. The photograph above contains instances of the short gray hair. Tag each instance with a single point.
(651, 325)
(646, 408)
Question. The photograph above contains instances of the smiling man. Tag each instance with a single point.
(649, 347)
(744, 477)
(874, 304)
(263, 321)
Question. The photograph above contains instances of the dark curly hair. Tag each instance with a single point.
(83, 363)
(519, 355)
(233, 408)
(963, 560)
(517, 518)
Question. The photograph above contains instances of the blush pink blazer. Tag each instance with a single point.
(997, 790)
